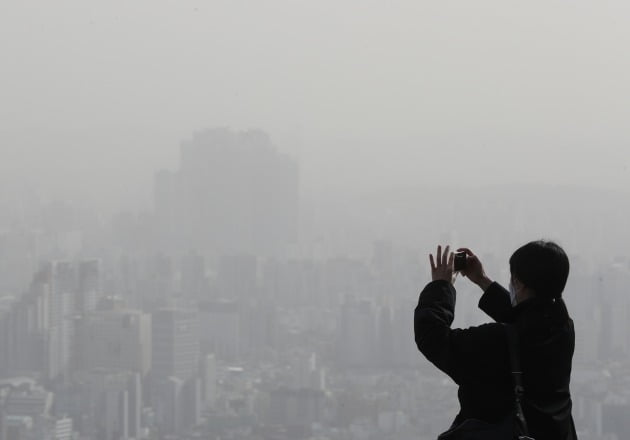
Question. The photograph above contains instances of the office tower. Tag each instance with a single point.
(233, 193)
(111, 401)
(134, 405)
(168, 409)
(174, 369)
(62, 307)
(190, 403)
(43, 319)
(43, 324)
(175, 339)
(177, 404)
(115, 338)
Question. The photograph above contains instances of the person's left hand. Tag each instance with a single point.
(442, 266)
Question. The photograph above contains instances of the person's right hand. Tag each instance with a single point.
(474, 269)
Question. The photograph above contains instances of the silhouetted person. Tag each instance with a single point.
(477, 358)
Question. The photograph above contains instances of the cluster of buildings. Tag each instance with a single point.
(294, 349)
(196, 322)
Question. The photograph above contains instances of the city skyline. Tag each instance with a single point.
(114, 336)
(216, 216)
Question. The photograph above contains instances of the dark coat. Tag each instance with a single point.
(477, 359)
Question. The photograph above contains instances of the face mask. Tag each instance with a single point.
(512, 294)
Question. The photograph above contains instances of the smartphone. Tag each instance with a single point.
(459, 261)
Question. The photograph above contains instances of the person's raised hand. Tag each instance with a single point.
(442, 265)
(473, 269)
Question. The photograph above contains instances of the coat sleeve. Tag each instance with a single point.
(495, 301)
(476, 354)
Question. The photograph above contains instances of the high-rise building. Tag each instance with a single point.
(43, 324)
(111, 404)
(117, 338)
(134, 405)
(177, 404)
(175, 339)
(168, 396)
(233, 193)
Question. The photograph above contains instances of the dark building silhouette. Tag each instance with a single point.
(233, 193)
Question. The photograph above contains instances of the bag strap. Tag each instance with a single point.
(517, 379)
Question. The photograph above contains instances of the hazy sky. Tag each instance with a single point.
(365, 93)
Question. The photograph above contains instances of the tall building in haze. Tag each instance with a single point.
(233, 193)
(175, 337)
(175, 369)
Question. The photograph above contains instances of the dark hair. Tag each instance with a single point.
(541, 266)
